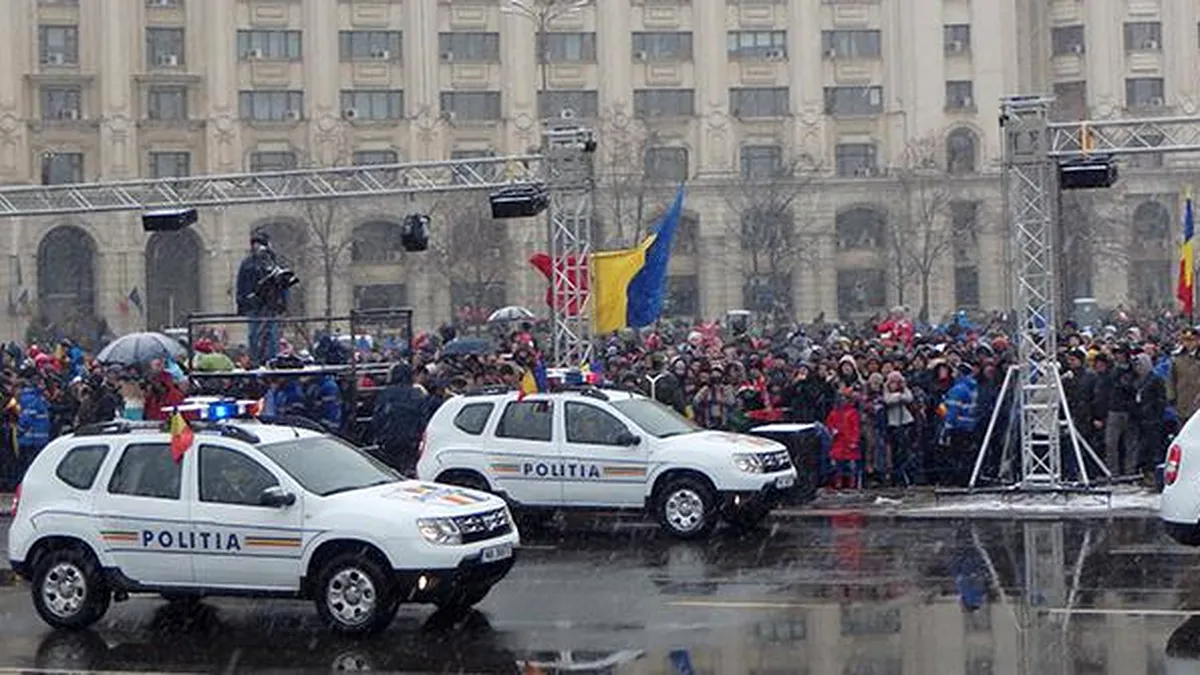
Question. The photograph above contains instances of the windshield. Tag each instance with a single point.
(325, 466)
(655, 418)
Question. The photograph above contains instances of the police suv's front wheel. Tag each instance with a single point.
(69, 589)
(686, 508)
(354, 595)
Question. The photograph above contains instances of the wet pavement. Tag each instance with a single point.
(839, 595)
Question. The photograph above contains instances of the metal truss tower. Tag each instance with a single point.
(1033, 150)
(565, 167)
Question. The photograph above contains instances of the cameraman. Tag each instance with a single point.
(252, 302)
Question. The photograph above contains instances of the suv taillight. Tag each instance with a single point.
(1174, 457)
(16, 500)
(421, 445)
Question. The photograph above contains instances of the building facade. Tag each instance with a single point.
(842, 156)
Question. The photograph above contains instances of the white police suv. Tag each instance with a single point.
(593, 448)
(250, 509)
(1179, 508)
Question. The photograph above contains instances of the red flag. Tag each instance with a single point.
(576, 273)
(181, 436)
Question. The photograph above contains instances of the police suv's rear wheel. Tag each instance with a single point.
(354, 595)
(686, 508)
(69, 590)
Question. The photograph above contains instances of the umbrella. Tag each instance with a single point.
(135, 348)
(468, 346)
(511, 313)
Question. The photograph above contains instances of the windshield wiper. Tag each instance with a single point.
(350, 488)
(677, 433)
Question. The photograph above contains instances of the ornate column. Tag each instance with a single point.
(422, 67)
(327, 143)
(716, 135)
(120, 27)
(219, 25)
(15, 31)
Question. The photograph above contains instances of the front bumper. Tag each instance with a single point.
(471, 576)
(766, 497)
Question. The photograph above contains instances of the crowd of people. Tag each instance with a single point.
(894, 404)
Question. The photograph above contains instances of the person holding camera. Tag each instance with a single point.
(261, 296)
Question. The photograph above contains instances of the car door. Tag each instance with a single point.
(523, 454)
(244, 544)
(601, 469)
(145, 515)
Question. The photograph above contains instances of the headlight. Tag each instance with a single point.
(747, 462)
(439, 531)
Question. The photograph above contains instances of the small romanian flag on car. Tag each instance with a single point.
(181, 436)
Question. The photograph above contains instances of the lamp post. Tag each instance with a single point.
(542, 13)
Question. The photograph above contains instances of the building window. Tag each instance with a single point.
(961, 150)
(58, 45)
(861, 292)
(170, 164)
(480, 47)
(166, 103)
(276, 45)
(164, 4)
(377, 242)
(849, 101)
(1070, 100)
(556, 104)
(370, 45)
(860, 228)
(380, 296)
(164, 47)
(852, 44)
(960, 95)
(1067, 40)
(272, 161)
(471, 105)
(62, 103)
(370, 157)
(956, 38)
(568, 48)
(1143, 36)
(373, 104)
(473, 301)
(757, 44)
(966, 287)
(666, 164)
(768, 294)
(662, 46)
(759, 102)
(62, 168)
(1144, 92)
(683, 296)
(664, 102)
(761, 161)
(271, 106)
(856, 160)
(964, 227)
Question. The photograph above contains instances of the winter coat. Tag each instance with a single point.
(1150, 402)
(845, 424)
(1183, 387)
(896, 406)
(1113, 392)
(163, 393)
(962, 414)
(1079, 386)
(807, 400)
(399, 415)
(326, 403)
(33, 424)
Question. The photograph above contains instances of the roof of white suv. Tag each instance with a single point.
(252, 431)
(595, 393)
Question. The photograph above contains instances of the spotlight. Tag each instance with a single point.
(1099, 171)
(414, 236)
(519, 201)
(168, 220)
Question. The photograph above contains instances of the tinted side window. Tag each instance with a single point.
(591, 425)
(473, 418)
(78, 468)
(229, 477)
(527, 421)
(147, 471)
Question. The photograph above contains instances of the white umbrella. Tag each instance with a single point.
(511, 313)
(136, 348)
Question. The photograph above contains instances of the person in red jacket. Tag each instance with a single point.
(161, 391)
(845, 425)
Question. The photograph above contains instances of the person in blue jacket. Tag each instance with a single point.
(960, 428)
(33, 422)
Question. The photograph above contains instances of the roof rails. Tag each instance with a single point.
(114, 427)
(490, 390)
(589, 390)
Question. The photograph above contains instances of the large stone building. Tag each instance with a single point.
(826, 141)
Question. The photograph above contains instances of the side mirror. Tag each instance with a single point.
(277, 497)
(629, 440)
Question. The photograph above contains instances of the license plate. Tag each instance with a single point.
(494, 553)
(785, 482)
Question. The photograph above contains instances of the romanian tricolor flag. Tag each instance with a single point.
(181, 436)
(1186, 292)
(534, 380)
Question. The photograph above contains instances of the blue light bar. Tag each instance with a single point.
(223, 410)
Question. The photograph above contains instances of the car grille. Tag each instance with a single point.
(481, 526)
(775, 461)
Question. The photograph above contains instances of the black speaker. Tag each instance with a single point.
(1088, 173)
(171, 220)
(414, 236)
(519, 201)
